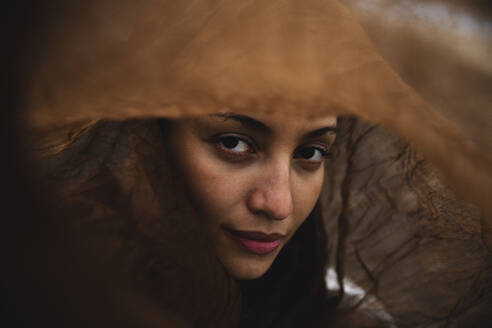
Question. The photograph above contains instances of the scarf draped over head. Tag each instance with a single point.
(103, 70)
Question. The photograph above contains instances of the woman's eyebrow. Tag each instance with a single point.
(319, 132)
(247, 121)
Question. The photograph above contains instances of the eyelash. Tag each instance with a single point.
(236, 156)
(252, 149)
(321, 148)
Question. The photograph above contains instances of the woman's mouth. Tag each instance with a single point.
(256, 242)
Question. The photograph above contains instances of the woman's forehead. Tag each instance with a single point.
(272, 123)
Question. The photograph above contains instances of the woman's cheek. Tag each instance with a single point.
(214, 188)
(306, 194)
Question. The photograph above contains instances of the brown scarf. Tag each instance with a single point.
(105, 70)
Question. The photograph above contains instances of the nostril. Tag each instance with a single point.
(263, 214)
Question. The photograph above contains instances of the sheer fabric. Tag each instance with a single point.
(104, 71)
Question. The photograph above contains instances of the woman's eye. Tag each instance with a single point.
(234, 148)
(234, 144)
(311, 156)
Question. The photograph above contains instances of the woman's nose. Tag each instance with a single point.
(272, 195)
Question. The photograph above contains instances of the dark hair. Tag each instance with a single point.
(292, 292)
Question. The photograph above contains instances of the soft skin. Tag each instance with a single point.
(251, 173)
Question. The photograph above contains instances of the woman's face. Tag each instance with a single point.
(254, 179)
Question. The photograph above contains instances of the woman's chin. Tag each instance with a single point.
(247, 268)
(242, 263)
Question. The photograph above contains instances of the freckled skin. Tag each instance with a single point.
(269, 190)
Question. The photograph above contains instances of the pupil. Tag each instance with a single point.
(308, 152)
(230, 142)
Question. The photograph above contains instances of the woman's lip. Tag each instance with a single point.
(257, 235)
(256, 242)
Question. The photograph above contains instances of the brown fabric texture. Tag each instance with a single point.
(105, 70)
(406, 239)
(187, 54)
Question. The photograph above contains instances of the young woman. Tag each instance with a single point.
(214, 218)
(255, 181)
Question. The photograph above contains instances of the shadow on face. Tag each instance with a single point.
(253, 179)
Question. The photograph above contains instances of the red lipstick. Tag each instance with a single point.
(256, 242)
